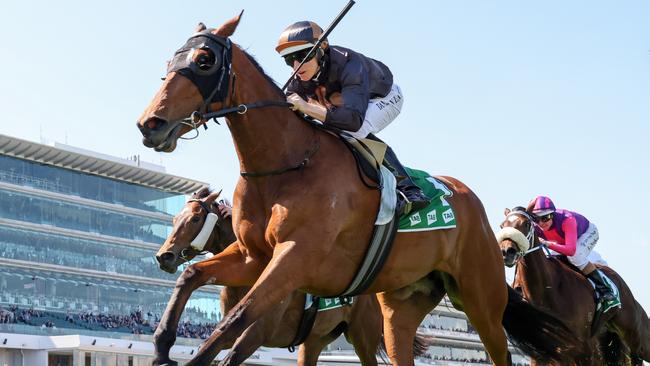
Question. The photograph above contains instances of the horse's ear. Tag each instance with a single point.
(200, 27)
(228, 28)
(212, 197)
(506, 211)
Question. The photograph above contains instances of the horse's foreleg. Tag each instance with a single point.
(310, 350)
(226, 268)
(252, 338)
(484, 302)
(365, 329)
(279, 279)
(402, 316)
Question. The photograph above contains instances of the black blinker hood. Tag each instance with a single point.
(213, 82)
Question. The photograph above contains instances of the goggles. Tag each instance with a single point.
(298, 56)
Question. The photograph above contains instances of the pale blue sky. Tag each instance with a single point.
(515, 99)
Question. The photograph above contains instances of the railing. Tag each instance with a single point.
(37, 330)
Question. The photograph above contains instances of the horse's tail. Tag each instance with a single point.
(381, 351)
(536, 332)
(421, 343)
(612, 349)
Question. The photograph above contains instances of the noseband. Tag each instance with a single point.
(530, 237)
(197, 246)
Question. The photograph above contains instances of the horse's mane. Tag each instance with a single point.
(519, 209)
(259, 68)
(206, 191)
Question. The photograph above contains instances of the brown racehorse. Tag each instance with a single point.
(550, 283)
(361, 322)
(303, 219)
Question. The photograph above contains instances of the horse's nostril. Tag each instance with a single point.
(153, 123)
(510, 252)
(167, 257)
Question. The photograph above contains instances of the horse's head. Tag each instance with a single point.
(198, 78)
(516, 236)
(198, 227)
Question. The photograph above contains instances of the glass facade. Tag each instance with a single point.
(54, 179)
(40, 210)
(54, 291)
(79, 253)
(62, 291)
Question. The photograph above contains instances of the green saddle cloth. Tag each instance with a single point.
(329, 303)
(438, 215)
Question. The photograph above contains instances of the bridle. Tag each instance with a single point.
(530, 237)
(209, 224)
(213, 82)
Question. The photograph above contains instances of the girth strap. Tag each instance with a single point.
(306, 322)
(376, 255)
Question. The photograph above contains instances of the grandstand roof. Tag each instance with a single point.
(69, 157)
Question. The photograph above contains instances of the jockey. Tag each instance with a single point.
(347, 90)
(572, 235)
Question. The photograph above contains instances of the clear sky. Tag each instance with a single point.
(514, 98)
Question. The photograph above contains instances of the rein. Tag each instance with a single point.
(308, 155)
(197, 117)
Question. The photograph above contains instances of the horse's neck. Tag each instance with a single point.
(549, 284)
(224, 237)
(536, 275)
(267, 138)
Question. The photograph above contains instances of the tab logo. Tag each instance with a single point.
(432, 217)
(448, 216)
(415, 219)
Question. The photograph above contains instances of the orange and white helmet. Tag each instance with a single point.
(299, 36)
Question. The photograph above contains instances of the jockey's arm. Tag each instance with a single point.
(349, 110)
(312, 109)
(348, 119)
(570, 228)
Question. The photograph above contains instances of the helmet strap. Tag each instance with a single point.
(320, 58)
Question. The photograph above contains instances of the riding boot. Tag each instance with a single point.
(608, 294)
(415, 198)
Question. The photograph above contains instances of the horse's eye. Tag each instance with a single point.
(204, 58)
(196, 219)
